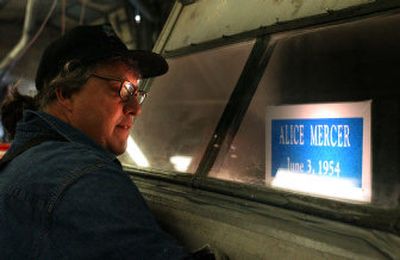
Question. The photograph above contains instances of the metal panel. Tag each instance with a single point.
(207, 20)
(246, 229)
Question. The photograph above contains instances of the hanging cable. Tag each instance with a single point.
(62, 22)
(29, 44)
(83, 9)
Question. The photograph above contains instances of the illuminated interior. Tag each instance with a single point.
(136, 154)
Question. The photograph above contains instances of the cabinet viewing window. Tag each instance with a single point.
(183, 108)
(354, 62)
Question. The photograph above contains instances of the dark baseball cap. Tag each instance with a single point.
(89, 45)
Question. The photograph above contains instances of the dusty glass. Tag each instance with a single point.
(183, 108)
(349, 62)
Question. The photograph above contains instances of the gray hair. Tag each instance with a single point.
(72, 77)
(70, 80)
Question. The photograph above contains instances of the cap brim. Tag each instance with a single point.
(150, 64)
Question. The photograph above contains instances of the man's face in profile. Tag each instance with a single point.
(99, 112)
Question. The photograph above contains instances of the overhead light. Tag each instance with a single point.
(138, 18)
(181, 163)
(136, 154)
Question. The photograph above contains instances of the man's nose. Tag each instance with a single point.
(132, 107)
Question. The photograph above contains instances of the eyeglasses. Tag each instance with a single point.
(126, 90)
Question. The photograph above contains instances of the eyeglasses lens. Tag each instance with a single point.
(141, 96)
(128, 90)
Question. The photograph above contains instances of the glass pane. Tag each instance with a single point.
(350, 62)
(183, 108)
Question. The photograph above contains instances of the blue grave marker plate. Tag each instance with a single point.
(320, 149)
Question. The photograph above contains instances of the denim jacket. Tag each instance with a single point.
(67, 198)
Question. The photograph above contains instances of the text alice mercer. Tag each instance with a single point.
(320, 135)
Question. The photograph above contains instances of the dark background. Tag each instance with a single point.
(63, 15)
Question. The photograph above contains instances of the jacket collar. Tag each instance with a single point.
(35, 124)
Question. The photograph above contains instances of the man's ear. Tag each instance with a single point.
(65, 102)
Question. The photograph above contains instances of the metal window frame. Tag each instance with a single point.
(361, 215)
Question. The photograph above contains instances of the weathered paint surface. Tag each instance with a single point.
(249, 230)
(211, 19)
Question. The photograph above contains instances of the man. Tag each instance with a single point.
(63, 193)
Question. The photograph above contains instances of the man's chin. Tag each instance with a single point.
(120, 149)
